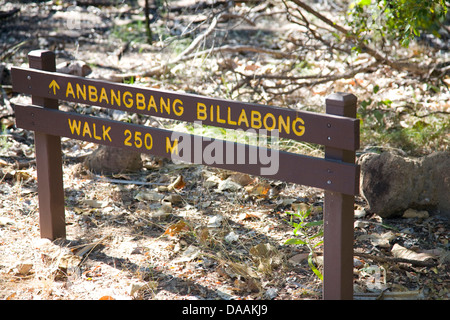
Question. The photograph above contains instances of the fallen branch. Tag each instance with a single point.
(121, 181)
(319, 79)
(414, 263)
(326, 78)
(239, 49)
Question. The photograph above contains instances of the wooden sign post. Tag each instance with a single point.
(338, 216)
(48, 161)
(337, 130)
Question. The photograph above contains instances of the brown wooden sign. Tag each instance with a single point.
(337, 130)
(325, 129)
(315, 172)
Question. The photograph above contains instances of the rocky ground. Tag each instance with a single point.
(172, 231)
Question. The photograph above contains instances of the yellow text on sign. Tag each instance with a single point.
(145, 140)
(138, 139)
(171, 148)
(122, 97)
(54, 85)
(250, 119)
(85, 129)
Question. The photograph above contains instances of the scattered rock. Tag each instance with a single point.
(285, 202)
(392, 184)
(24, 268)
(211, 182)
(241, 179)
(94, 203)
(228, 185)
(112, 160)
(298, 258)
(149, 196)
(76, 68)
(411, 213)
(163, 211)
(215, 222)
(231, 237)
(69, 261)
(271, 293)
(191, 253)
(174, 199)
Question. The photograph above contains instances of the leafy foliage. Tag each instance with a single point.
(302, 230)
(400, 20)
(401, 126)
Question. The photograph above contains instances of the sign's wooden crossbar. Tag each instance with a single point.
(324, 129)
(337, 130)
(315, 172)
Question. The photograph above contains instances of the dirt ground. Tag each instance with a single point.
(134, 238)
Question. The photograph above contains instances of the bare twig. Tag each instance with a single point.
(8, 52)
(197, 40)
(158, 70)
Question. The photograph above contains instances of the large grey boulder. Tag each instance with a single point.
(392, 184)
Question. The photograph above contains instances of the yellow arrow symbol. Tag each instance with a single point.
(53, 85)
